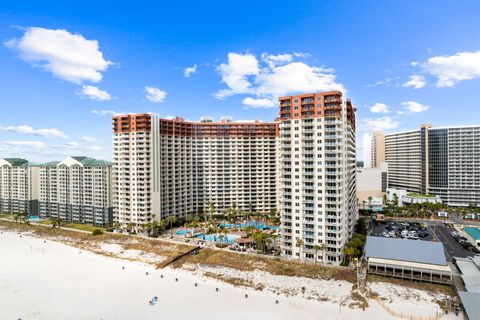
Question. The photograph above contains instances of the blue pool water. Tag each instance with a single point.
(182, 232)
(229, 238)
(258, 225)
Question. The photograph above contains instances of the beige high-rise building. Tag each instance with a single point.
(164, 167)
(77, 189)
(317, 198)
(18, 187)
(374, 149)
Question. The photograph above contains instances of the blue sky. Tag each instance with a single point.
(64, 69)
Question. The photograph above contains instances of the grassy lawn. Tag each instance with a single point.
(83, 227)
(46, 222)
(421, 196)
(7, 216)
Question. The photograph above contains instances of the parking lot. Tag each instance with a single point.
(453, 246)
(429, 231)
(402, 229)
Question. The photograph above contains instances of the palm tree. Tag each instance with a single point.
(300, 244)
(261, 240)
(395, 199)
(171, 220)
(385, 200)
(318, 247)
(131, 227)
(274, 240)
(161, 225)
(56, 222)
(370, 202)
(349, 252)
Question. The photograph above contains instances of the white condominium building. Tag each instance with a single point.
(403, 153)
(18, 186)
(317, 198)
(77, 189)
(168, 167)
(444, 161)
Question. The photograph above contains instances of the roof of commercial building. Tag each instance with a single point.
(427, 252)
(470, 303)
(470, 272)
(473, 232)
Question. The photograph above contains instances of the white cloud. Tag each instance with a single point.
(260, 102)
(382, 123)
(271, 77)
(275, 60)
(234, 74)
(66, 55)
(379, 108)
(28, 130)
(450, 70)
(415, 81)
(73, 145)
(106, 112)
(155, 94)
(414, 63)
(88, 138)
(189, 71)
(94, 93)
(25, 144)
(414, 107)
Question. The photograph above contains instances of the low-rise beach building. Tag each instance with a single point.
(408, 259)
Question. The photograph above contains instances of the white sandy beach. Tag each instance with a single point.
(55, 281)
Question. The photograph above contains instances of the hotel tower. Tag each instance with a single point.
(317, 189)
(436, 160)
(164, 167)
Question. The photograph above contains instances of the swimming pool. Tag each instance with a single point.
(258, 225)
(182, 232)
(229, 238)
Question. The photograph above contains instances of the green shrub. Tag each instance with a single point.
(97, 232)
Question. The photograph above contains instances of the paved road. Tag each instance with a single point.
(457, 220)
(452, 248)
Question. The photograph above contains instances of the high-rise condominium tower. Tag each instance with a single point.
(18, 186)
(165, 167)
(317, 198)
(443, 161)
(374, 149)
(77, 189)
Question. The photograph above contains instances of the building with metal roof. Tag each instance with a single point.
(77, 189)
(18, 187)
(469, 269)
(408, 259)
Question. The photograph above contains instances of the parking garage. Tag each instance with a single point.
(408, 259)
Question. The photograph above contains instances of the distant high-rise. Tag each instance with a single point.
(374, 149)
(165, 167)
(317, 187)
(442, 161)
